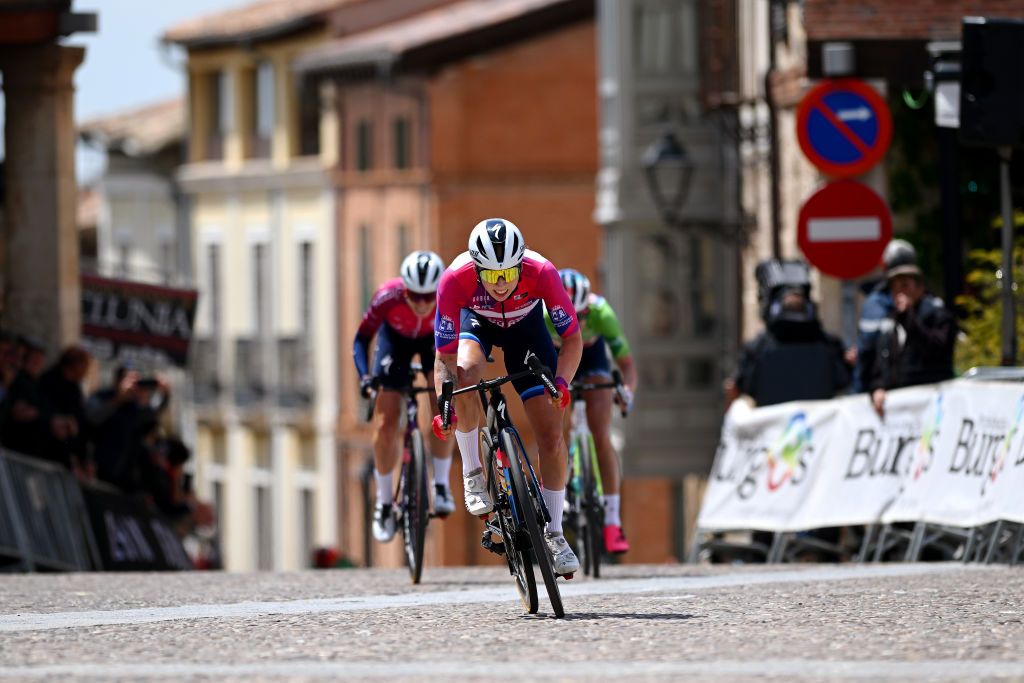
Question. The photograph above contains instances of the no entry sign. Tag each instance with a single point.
(844, 127)
(844, 228)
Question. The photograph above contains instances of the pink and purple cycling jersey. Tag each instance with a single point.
(460, 288)
(389, 306)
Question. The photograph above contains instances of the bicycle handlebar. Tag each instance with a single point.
(616, 384)
(448, 391)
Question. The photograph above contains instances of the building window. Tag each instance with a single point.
(264, 96)
(264, 529)
(666, 38)
(213, 286)
(167, 261)
(403, 242)
(221, 112)
(365, 267)
(306, 288)
(364, 145)
(401, 142)
(308, 530)
(259, 287)
(309, 120)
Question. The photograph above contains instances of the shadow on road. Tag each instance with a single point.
(638, 616)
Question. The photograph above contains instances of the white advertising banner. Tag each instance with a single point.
(950, 453)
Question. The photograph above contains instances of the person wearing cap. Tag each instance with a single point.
(875, 312)
(916, 345)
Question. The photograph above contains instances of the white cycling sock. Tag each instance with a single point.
(611, 510)
(469, 448)
(442, 466)
(554, 501)
(385, 494)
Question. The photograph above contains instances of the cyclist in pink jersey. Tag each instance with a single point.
(401, 315)
(491, 296)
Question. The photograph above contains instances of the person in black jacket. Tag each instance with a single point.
(61, 390)
(794, 358)
(915, 346)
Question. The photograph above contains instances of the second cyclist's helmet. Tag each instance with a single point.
(577, 286)
(421, 271)
(496, 244)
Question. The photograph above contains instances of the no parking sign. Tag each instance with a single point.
(844, 127)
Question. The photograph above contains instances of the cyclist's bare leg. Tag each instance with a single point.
(599, 420)
(546, 422)
(387, 414)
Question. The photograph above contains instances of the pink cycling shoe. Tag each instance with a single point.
(614, 540)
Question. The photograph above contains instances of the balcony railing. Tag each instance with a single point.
(206, 379)
(296, 385)
(251, 384)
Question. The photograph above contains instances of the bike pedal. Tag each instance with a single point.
(568, 577)
(488, 544)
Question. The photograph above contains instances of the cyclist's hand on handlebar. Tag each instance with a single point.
(627, 400)
(438, 427)
(562, 400)
(367, 385)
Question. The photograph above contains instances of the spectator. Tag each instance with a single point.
(916, 346)
(875, 313)
(23, 427)
(61, 391)
(8, 363)
(122, 416)
(794, 358)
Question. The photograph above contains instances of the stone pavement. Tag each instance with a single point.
(795, 622)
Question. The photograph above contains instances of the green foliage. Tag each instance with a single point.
(981, 343)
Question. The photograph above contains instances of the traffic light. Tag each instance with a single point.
(992, 82)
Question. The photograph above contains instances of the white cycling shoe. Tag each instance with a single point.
(444, 502)
(563, 559)
(477, 501)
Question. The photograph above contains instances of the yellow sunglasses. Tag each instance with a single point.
(491, 277)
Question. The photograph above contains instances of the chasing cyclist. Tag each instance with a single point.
(491, 296)
(401, 314)
(600, 330)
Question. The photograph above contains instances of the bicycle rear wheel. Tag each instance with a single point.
(517, 553)
(414, 504)
(526, 490)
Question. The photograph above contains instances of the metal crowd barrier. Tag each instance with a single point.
(44, 524)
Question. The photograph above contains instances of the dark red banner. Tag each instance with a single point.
(132, 318)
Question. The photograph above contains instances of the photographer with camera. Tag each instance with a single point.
(120, 416)
(794, 359)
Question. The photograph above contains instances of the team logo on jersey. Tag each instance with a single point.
(559, 316)
(520, 297)
(446, 328)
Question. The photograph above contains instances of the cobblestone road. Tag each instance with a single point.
(888, 622)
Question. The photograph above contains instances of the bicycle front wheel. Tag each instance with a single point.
(517, 552)
(592, 511)
(525, 488)
(414, 504)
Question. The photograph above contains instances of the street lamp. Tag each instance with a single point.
(669, 172)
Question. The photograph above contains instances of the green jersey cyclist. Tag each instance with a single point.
(601, 333)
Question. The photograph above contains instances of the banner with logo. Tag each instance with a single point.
(133, 321)
(950, 453)
(974, 470)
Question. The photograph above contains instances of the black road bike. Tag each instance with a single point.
(412, 501)
(515, 528)
(583, 517)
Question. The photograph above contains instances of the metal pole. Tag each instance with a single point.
(949, 181)
(1009, 309)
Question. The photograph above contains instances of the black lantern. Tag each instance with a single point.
(669, 170)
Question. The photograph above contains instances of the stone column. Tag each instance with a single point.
(42, 294)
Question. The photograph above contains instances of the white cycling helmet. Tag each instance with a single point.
(577, 286)
(421, 271)
(496, 244)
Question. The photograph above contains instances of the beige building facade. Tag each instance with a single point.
(264, 257)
